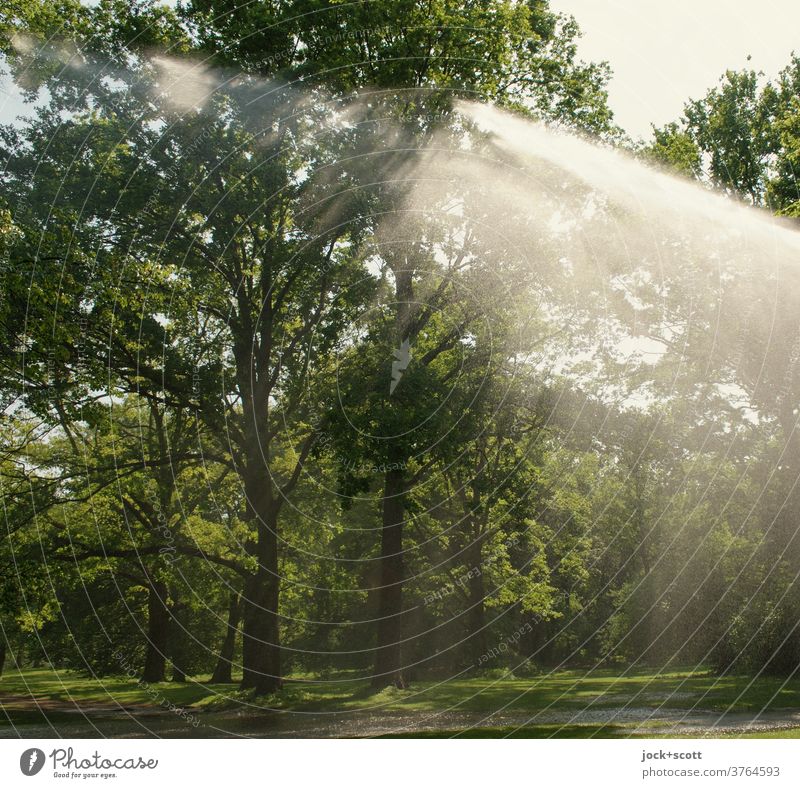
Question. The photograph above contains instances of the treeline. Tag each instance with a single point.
(300, 377)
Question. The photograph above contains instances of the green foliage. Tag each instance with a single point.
(740, 137)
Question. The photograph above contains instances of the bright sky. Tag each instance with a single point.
(663, 53)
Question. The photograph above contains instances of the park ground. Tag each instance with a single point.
(43, 703)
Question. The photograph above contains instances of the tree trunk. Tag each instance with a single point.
(649, 629)
(178, 674)
(222, 671)
(785, 525)
(261, 652)
(477, 519)
(261, 656)
(388, 652)
(2, 654)
(158, 618)
(476, 619)
(179, 645)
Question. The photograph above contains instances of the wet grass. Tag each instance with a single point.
(525, 732)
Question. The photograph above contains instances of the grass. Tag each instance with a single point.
(60, 694)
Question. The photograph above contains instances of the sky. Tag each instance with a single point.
(664, 53)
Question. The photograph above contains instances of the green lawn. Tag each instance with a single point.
(67, 699)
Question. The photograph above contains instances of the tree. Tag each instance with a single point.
(261, 220)
(740, 137)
